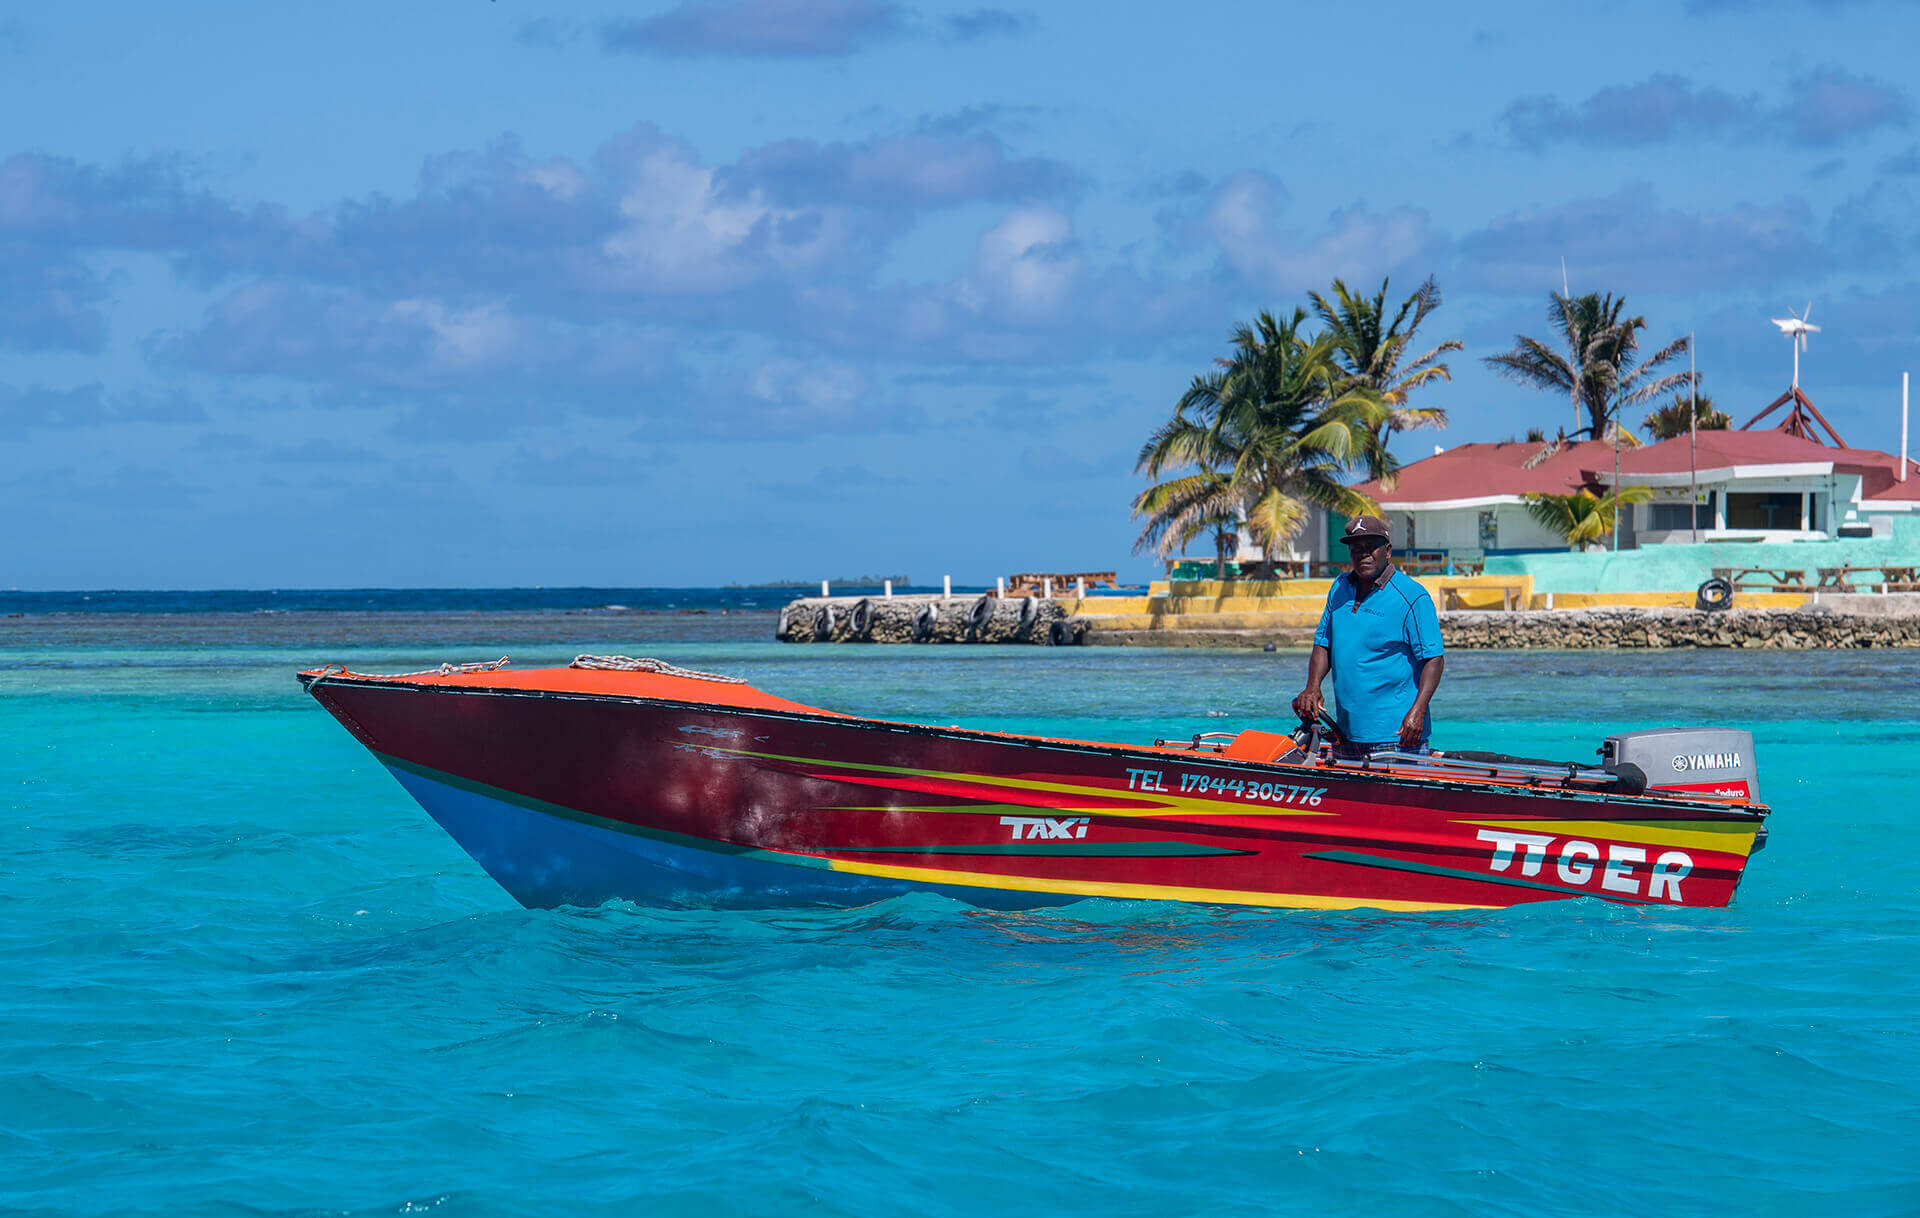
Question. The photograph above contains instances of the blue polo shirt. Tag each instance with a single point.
(1379, 646)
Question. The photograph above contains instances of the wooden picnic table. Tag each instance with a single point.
(1836, 579)
(1032, 583)
(1775, 579)
(1900, 578)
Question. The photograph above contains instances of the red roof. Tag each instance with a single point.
(1906, 492)
(1720, 449)
(1482, 471)
(1478, 471)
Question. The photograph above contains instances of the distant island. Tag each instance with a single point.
(852, 581)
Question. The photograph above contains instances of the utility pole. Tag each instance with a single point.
(1613, 437)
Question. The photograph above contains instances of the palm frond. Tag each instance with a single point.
(1180, 509)
(1583, 516)
(1599, 366)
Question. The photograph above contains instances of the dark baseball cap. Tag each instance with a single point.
(1365, 527)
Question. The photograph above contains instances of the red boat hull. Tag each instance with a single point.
(575, 787)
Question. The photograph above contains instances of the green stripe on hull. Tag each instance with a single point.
(1460, 873)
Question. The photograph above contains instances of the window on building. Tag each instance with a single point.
(1673, 516)
(1769, 510)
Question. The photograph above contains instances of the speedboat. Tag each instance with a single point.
(633, 779)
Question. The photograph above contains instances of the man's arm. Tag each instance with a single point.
(1307, 702)
(1423, 636)
(1415, 724)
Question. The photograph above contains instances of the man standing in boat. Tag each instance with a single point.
(1380, 636)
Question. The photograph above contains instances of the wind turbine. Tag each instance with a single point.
(1803, 414)
(1796, 327)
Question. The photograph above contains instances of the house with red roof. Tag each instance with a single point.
(1468, 502)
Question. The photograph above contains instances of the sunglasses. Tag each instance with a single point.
(1368, 546)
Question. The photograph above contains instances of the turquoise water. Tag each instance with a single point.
(244, 974)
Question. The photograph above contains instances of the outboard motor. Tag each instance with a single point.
(1716, 760)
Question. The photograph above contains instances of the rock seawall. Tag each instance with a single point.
(926, 619)
(1813, 627)
(1589, 629)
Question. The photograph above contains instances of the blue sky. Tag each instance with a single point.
(465, 293)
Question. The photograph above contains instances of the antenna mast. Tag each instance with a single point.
(1693, 464)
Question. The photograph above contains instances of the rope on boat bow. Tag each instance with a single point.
(630, 664)
(445, 670)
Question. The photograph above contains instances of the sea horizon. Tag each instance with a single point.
(572, 598)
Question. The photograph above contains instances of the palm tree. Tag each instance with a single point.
(1583, 517)
(1686, 412)
(1182, 508)
(1599, 368)
(1268, 435)
(1369, 350)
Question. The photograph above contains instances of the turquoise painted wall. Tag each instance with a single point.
(1681, 567)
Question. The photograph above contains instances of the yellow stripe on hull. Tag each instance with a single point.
(1131, 892)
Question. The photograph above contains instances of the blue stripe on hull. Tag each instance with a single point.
(543, 860)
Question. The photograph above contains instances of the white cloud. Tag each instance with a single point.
(1357, 245)
(462, 338)
(1026, 263)
(682, 233)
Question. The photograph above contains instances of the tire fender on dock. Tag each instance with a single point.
(1714, 595)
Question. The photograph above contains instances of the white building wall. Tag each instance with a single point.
(1310, 543)
(1458, 528)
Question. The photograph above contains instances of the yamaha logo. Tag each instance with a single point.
(1683, 762)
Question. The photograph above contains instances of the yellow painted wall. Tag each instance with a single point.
(1254, 605)
(1206, 621)
(1238, 588)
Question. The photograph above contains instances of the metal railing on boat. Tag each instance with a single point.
(1400, 762)
(1436, 765)
(1208, 742)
